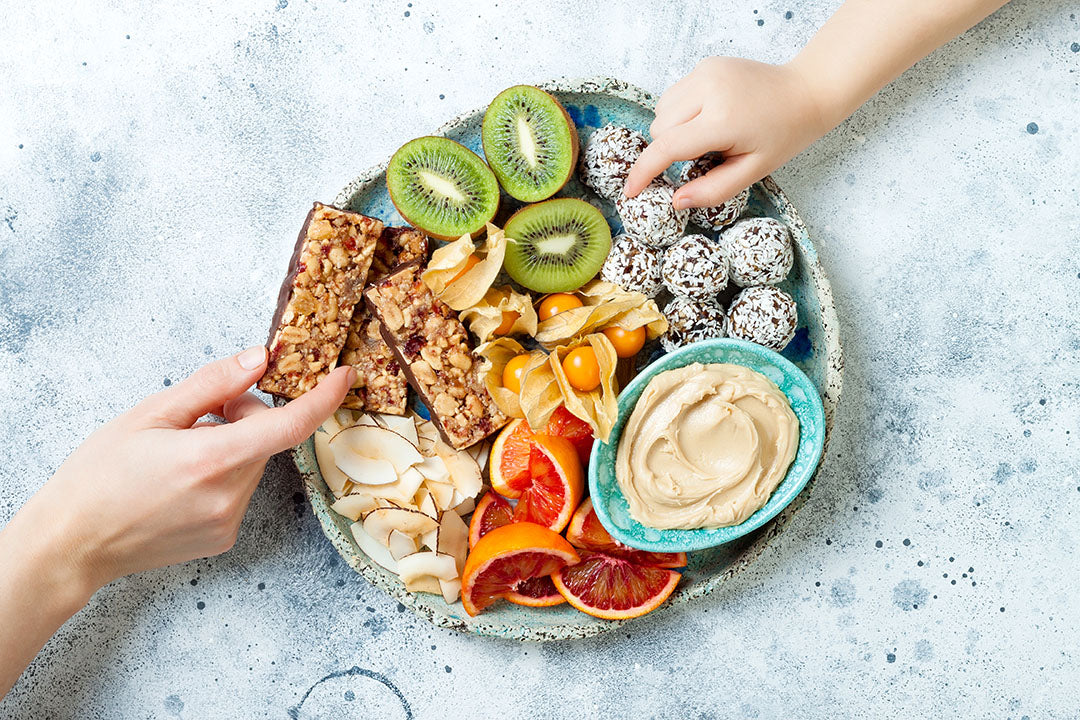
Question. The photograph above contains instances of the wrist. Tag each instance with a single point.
(44, 557)
(823, 101)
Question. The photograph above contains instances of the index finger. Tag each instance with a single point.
(262, 434)
(683, 142)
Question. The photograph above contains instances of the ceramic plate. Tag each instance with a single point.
(816, 350)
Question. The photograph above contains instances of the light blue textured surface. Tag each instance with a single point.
(146, 219)
(610, 503)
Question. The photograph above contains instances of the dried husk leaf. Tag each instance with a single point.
(449, 260)
(545, 387)
(605, 304)
(487, 315)
(496, 354)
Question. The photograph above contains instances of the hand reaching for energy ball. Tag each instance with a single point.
(759, 116)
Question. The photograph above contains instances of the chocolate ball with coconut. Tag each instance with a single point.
(609, 154)
(694, 267)
(765, 315)
(758, 250)
(633, 266)
(692, 320)
(650, 216)
(719, 216)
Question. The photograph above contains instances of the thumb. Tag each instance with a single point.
(266, 432)
(720, 184)
(207, 389)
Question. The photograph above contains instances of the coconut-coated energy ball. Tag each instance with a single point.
(758, 250)
(713, 218)
(650, 216)
(692, 320)
(765, 315)
(609, 153)
(633, 266)
(695, 267)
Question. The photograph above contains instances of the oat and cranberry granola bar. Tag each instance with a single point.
(326, 276)
(433, 349)
(380, 384)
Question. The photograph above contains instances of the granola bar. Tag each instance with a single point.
(326, 275)
(380, 385)
(433, 349)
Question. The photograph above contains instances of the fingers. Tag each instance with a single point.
(262, 433)
(242, 406)
(683, 142)
(207, 389)
(721, 183)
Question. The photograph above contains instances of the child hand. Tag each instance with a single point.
(155, 487)
(757, 115)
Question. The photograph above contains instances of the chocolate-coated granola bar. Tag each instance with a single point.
(326, 275)
(433, 349)
(380, 384)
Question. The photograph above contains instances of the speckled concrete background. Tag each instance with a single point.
(155, 164)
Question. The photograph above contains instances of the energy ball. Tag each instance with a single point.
(692, 320)
(758, 251)
(609, 153)
(765, 315)
(713, 218)
(694, 267)
(650, 216)
(633, 266)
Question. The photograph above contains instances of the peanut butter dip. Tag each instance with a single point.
(705, 447)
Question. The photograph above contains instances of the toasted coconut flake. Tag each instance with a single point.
(379, 522)
(376, 443)
(451, 590)
(545, 387)
(401, 544)
(465, 474)
(365, 470)
(434, 468)
(419, 570)
(453, 538)
(441, 493)
(375, 550)
(465, 507)
(427, 503)
(355, 505)
(335, 479)
(403, 425)
(487, 315)
(605, 304)
(451, 260)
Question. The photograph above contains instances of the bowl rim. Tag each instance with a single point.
(702, 538)
(314, 486)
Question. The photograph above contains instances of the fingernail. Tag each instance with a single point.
(350, 377)
(252, 358)
(681, 203)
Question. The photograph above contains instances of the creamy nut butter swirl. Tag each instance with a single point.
(705, 447)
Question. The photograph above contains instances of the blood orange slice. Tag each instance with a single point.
(536, 592)
(506, 557)
(555, 483)
(566, 425)
(491, 512)
(614, 588)
(586, 532)
(509, 462)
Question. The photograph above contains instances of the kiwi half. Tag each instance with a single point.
(530, 142)
(556, 246)
(442, 187)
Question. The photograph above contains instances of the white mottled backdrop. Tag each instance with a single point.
(157, 159)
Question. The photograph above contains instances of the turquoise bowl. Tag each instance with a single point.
(610, 503)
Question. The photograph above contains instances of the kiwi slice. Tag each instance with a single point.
(442, 187)
(556, 246)
(530, 142)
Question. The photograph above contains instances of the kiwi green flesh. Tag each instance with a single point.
(556, 246)
(442, 187)
(530, 143)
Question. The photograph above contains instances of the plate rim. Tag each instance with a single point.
(833, 381)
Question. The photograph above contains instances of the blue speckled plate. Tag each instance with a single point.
(816, 350)
(608, 499)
